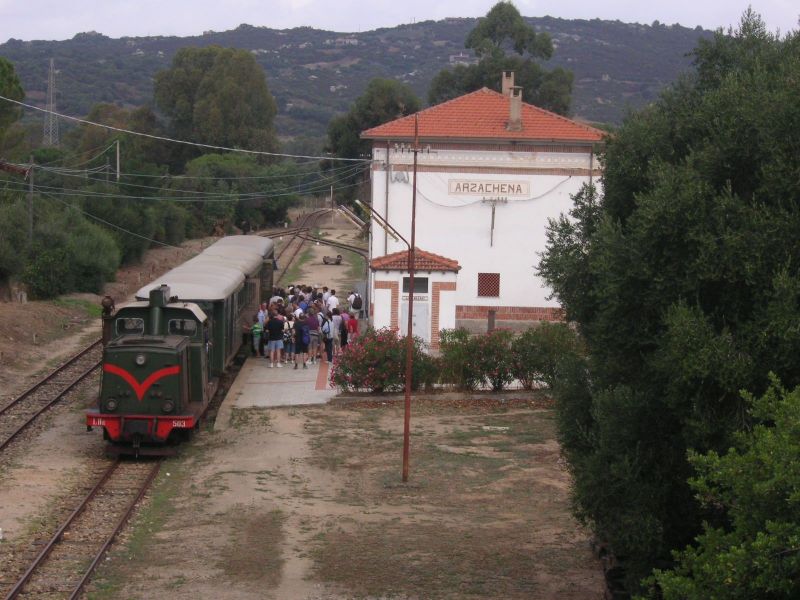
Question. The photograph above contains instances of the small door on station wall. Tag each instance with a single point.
(420, 322)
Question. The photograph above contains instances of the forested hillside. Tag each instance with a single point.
(315, 74)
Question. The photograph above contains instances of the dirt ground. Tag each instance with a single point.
(307, 503)
(36, 336)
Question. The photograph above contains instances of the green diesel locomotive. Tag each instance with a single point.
(167, 350)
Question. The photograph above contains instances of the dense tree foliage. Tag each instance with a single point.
(88, 219)
(684, 279)
(503, 30)
(10, 87)
(757, 483)
(384, 100)
(218, 96)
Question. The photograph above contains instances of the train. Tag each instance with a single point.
(165, 352)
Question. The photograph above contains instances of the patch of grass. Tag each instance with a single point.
(254, 549)
(92, 309)
(152, 517)
(429, 560)
(355, 272)
(241, 418)
(295, 271)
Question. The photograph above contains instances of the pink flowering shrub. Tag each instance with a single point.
(376, 362)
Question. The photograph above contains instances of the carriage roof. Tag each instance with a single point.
(217, 272)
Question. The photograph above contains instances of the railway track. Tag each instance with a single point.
(19, 414)
(66, 561)
(296, 242)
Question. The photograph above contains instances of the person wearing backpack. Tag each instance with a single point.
(288, 338)
(301, 341)
(327, 335)
(356, 304)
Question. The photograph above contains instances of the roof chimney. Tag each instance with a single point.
(508, 82)
(515, 112)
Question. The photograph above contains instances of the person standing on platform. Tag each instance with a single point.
(274, 339)
(256, 339)
(302, 337)
(333, 301)
(336, 330)
(352, 328)
(313, 335)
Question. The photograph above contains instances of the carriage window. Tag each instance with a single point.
(185, 327)
(130, 326)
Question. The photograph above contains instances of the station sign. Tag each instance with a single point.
(482, 187)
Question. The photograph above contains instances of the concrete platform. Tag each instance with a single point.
(257, 385)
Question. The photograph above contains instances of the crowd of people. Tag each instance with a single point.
(304, 325)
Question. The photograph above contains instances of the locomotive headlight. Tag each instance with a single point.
(168, 406)
(111, 405)
(140, 359)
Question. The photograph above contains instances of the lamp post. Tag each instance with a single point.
(410, 331)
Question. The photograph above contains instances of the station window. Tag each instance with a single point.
(420, 285)
(489, 284)
(133, 326)
(185, 327)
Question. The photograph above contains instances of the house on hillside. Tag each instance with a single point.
(491, 172)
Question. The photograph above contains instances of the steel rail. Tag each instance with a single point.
(17, 589)
(308, 220)
(120, 524)
(36, 415)
(50, 376)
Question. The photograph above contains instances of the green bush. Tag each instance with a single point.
(70, 255)
(457, 347)
(490, 358)
(376, 362)
(537, 352)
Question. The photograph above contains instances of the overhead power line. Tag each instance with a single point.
(185, 142)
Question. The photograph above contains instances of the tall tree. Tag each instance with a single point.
(218, 96)
(10, 87)
(382, 101)
(684, 279)
(503, 41)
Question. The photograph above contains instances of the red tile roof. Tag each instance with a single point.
(484, 114)
(423, 261)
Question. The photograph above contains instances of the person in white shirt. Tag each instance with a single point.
(351, 297)
(325, 294)
(333, 301)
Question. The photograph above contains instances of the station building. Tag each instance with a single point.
(490, 173)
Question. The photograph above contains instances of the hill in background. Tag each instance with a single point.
(315, 74)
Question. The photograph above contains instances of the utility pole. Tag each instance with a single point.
(410, 332)
(117, 161)
(331, 206)
(30, 203)
(50, 133)
(108, 168)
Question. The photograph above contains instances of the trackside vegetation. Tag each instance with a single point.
(683, 279)
(85, 222)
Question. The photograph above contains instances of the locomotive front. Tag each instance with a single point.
(144, 390)
(146, 381)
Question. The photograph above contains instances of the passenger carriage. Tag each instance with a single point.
(168, 349)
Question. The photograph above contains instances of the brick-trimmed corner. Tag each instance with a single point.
(394, 287)
(436, 288)
(511, 313)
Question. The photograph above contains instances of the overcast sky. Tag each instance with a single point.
(57, 20)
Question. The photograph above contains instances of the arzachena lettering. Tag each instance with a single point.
(489, 188)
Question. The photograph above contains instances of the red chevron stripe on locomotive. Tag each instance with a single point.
(140, 388)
